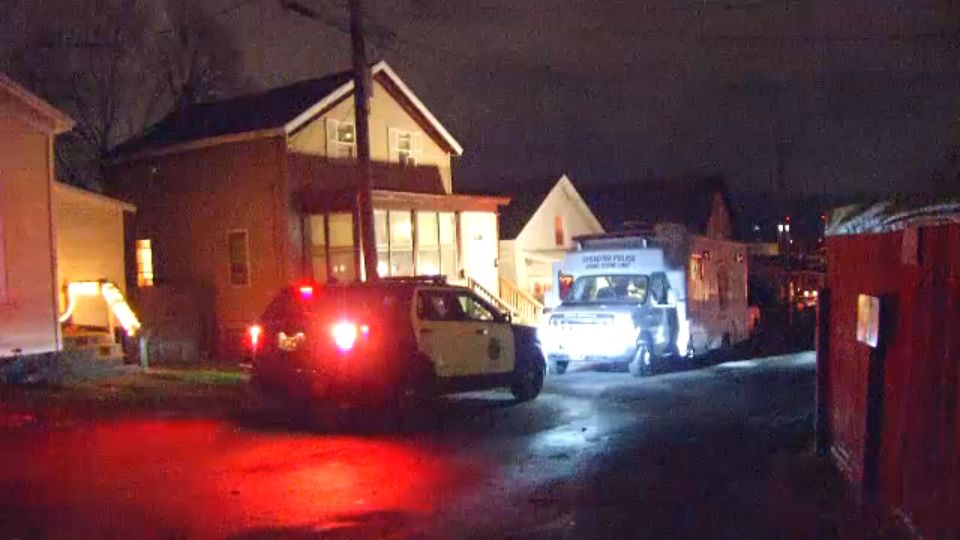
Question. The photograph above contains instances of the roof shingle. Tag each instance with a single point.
(253, 112)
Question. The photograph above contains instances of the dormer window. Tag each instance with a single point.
(341, 139)
(405, 147)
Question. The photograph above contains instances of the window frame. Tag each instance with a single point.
(494, 314)
(414, 153)
(559, 231)
(246, 253)
(335, 145)
(145, 278)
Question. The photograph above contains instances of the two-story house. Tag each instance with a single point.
(238, 198)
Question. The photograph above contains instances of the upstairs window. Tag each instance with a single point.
(238, 248)
(559, 237)
(405, 147)
(341, 139)
(144, 263)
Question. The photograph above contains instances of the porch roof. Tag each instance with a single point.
(320, 200)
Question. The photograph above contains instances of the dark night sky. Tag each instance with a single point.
(862, 93)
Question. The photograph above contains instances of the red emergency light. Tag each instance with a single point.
(306, 292)
(255, 332)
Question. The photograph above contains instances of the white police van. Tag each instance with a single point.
(637, 299)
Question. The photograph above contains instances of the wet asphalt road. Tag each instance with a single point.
(710, 453)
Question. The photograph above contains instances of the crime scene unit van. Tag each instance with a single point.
(642, 299)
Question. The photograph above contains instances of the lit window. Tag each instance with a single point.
(696, 267)
(437, 243)
(318, 247)
(237, 244)
(401, 242)
(558, 234)
(405, 147)
(341, 139)
(342, 252)
(144, 263)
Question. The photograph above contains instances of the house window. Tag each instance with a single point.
(342, 252)
(341, 139)
(144, 263)
(437, 243)
(696, 267)
(559, 237)
(318, 247)
(405, 147)
(238, 249)
(396, 257)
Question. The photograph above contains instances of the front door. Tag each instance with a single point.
(443, 334)
(489, 334)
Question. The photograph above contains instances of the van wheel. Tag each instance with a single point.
(642, 364)
(558, 367)
(529, 379)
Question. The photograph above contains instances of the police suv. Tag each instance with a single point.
(391, 341)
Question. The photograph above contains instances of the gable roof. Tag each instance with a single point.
(685, 202)
(524, 205)
(59, 122)
(280, 111)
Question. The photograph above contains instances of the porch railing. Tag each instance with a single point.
(527, 308)
(524, 308)
(485, 293)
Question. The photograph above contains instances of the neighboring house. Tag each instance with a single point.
(90, 250)
(536, 230)
(62, 270)
(28, 270)
(238, 198)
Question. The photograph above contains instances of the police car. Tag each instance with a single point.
(391, 341)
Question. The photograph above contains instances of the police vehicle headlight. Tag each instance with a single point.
(626, 330)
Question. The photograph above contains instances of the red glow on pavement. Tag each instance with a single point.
(209, 479)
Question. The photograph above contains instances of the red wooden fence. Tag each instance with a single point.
(917, 276)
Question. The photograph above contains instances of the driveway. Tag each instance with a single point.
(720, 452)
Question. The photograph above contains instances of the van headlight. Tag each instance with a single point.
(626, 330)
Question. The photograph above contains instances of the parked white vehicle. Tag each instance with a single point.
(641, 298)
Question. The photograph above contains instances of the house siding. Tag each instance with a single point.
(187, 204)
(538, 234)
(28, 317)
(385, 113)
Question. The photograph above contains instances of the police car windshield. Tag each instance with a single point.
(610, 288)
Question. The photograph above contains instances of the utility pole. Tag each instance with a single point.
(361, 104)
(361, 98)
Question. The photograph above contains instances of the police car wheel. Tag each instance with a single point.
(529, 380)
(558, 367)
(413, 395)
(642, 364)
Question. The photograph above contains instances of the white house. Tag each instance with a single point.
(536, 229)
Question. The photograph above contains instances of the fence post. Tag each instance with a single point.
(822, 396)
(144, 344)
